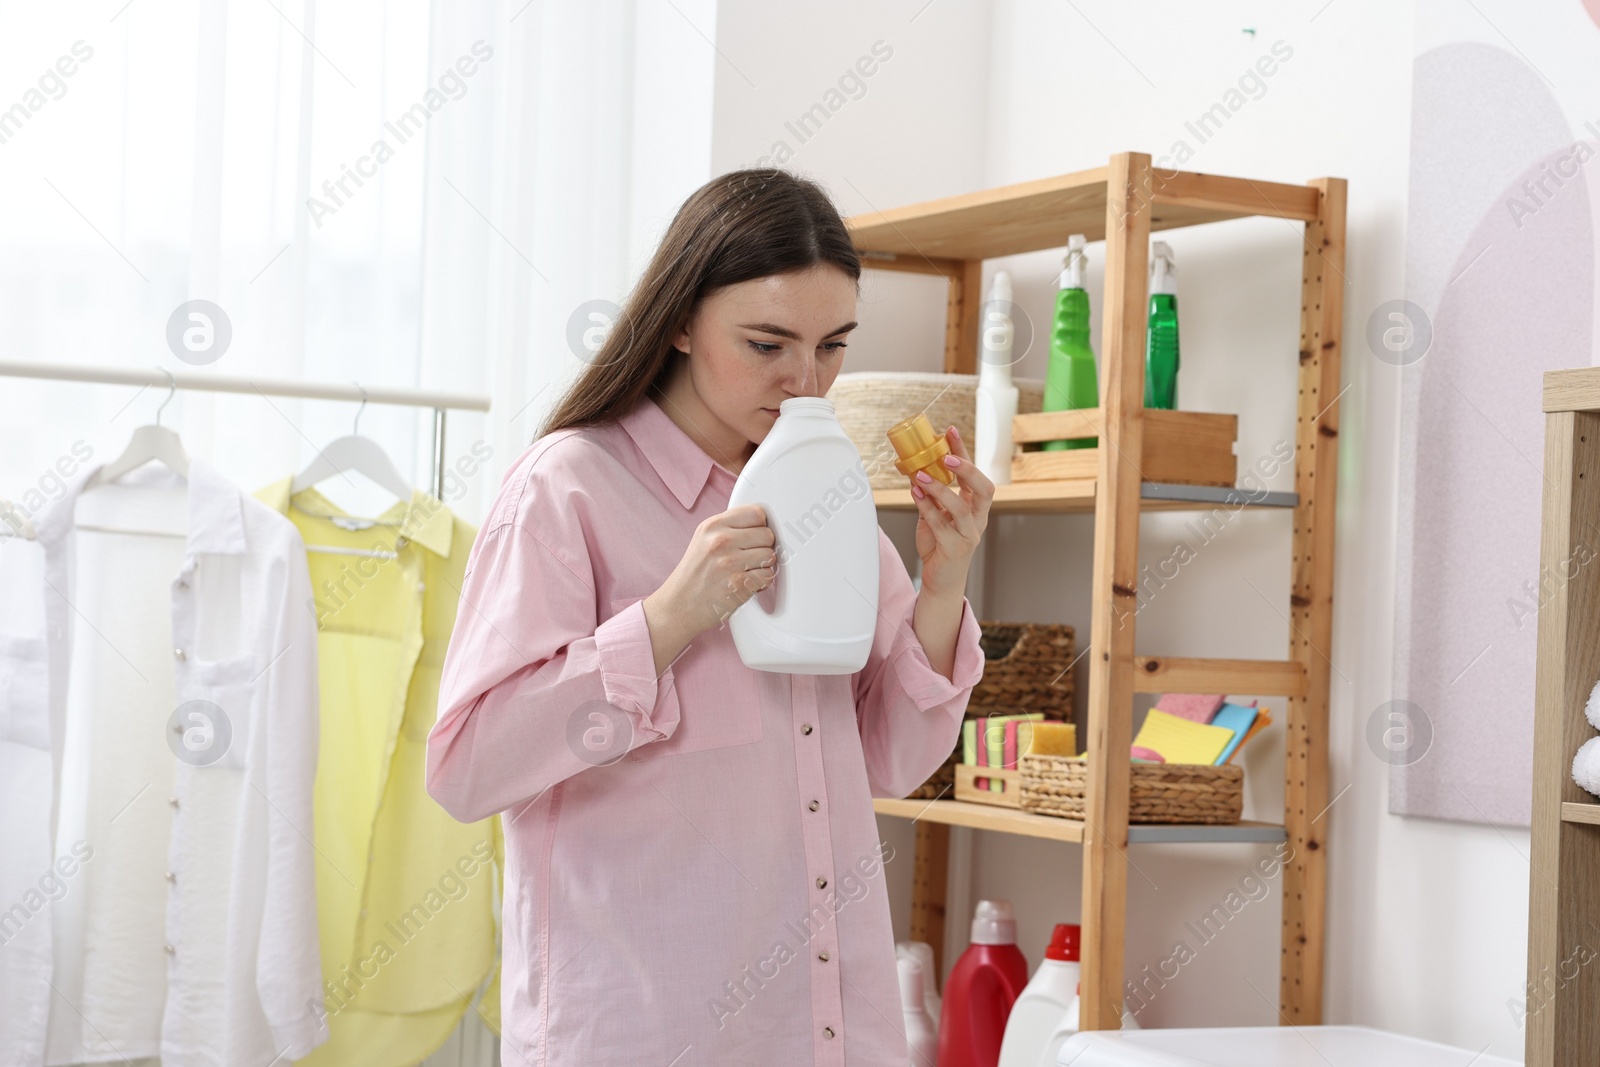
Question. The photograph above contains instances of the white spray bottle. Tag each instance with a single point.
(997, 396)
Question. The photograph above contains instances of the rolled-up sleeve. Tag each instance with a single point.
(533, 690)
(908, 713)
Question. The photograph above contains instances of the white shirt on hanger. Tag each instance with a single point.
(28, 878)
(180, 708)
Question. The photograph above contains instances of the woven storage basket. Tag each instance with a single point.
(1025, 668)
(1157, 792)
(869, 403)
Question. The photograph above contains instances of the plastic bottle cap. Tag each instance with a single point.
(1064, 942)
(1074, 264)
(994, 923)
(919, 448)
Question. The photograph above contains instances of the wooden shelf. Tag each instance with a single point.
(1077, 497)
(1031, 216)
(1122, 204)
(1580, 812)
(1054, 828)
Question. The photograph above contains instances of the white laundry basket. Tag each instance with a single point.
(1263, 1046)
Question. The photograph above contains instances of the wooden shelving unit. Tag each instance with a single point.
(1563, 1001)
(1122, 203)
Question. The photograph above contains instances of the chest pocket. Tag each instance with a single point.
(719, 698)
(213, 720)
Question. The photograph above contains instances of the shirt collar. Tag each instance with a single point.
(215, 511)
(423, 519)
(683, 465)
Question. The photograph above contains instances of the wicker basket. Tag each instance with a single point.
(869, 403)
(1025, 668)
(1157, 792)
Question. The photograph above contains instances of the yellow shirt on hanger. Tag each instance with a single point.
(405, 893)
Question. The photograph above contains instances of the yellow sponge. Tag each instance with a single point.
(1050, 738)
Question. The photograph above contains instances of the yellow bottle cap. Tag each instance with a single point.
(919, 448)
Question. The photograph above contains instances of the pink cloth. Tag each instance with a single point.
(1196, 707)
(694, 873)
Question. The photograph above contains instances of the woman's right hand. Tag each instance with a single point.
(730, 559)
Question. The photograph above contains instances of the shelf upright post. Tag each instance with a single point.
(1305, 798)
(961, 319)
(1115, 589)
(1561, 1000)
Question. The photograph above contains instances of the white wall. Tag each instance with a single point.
(1426, 920)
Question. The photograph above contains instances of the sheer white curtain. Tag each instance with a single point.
(403, 193)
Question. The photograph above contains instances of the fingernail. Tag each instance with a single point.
(924, 476)
(952, 461)
(916, 491)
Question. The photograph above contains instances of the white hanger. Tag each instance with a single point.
(150, 442)
(360, 454)
(17, 521)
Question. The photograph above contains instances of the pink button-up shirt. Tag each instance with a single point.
(693, 868)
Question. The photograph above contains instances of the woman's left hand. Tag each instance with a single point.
(950, 524)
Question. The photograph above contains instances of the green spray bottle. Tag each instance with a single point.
(1070, 381)
(1161, 346)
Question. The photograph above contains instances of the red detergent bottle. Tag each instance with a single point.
(983, 985)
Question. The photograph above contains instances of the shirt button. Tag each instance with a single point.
(822, 883)
(827, 1031)
(171, 877)
(171, 951)
(813, 805)
(173, 801)
(178, 653)
(823, 955)
(806, 729)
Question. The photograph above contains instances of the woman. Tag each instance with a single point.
(693, 868)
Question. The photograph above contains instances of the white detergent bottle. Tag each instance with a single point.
(1068, 1025)
(922, 952)
(821, 611)
(1048, 995)
(922, 1035)
(997, 397)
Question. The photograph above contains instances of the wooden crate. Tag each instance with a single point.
(1187, 447)
(1009, 796)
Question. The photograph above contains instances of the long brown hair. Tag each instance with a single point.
(741, 225)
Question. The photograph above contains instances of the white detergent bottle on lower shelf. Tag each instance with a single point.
(1049, 993)
(922, 952)
(922, 1033)
(821, 611)
(1068, 1025)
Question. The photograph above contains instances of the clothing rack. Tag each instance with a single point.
(303, 390)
